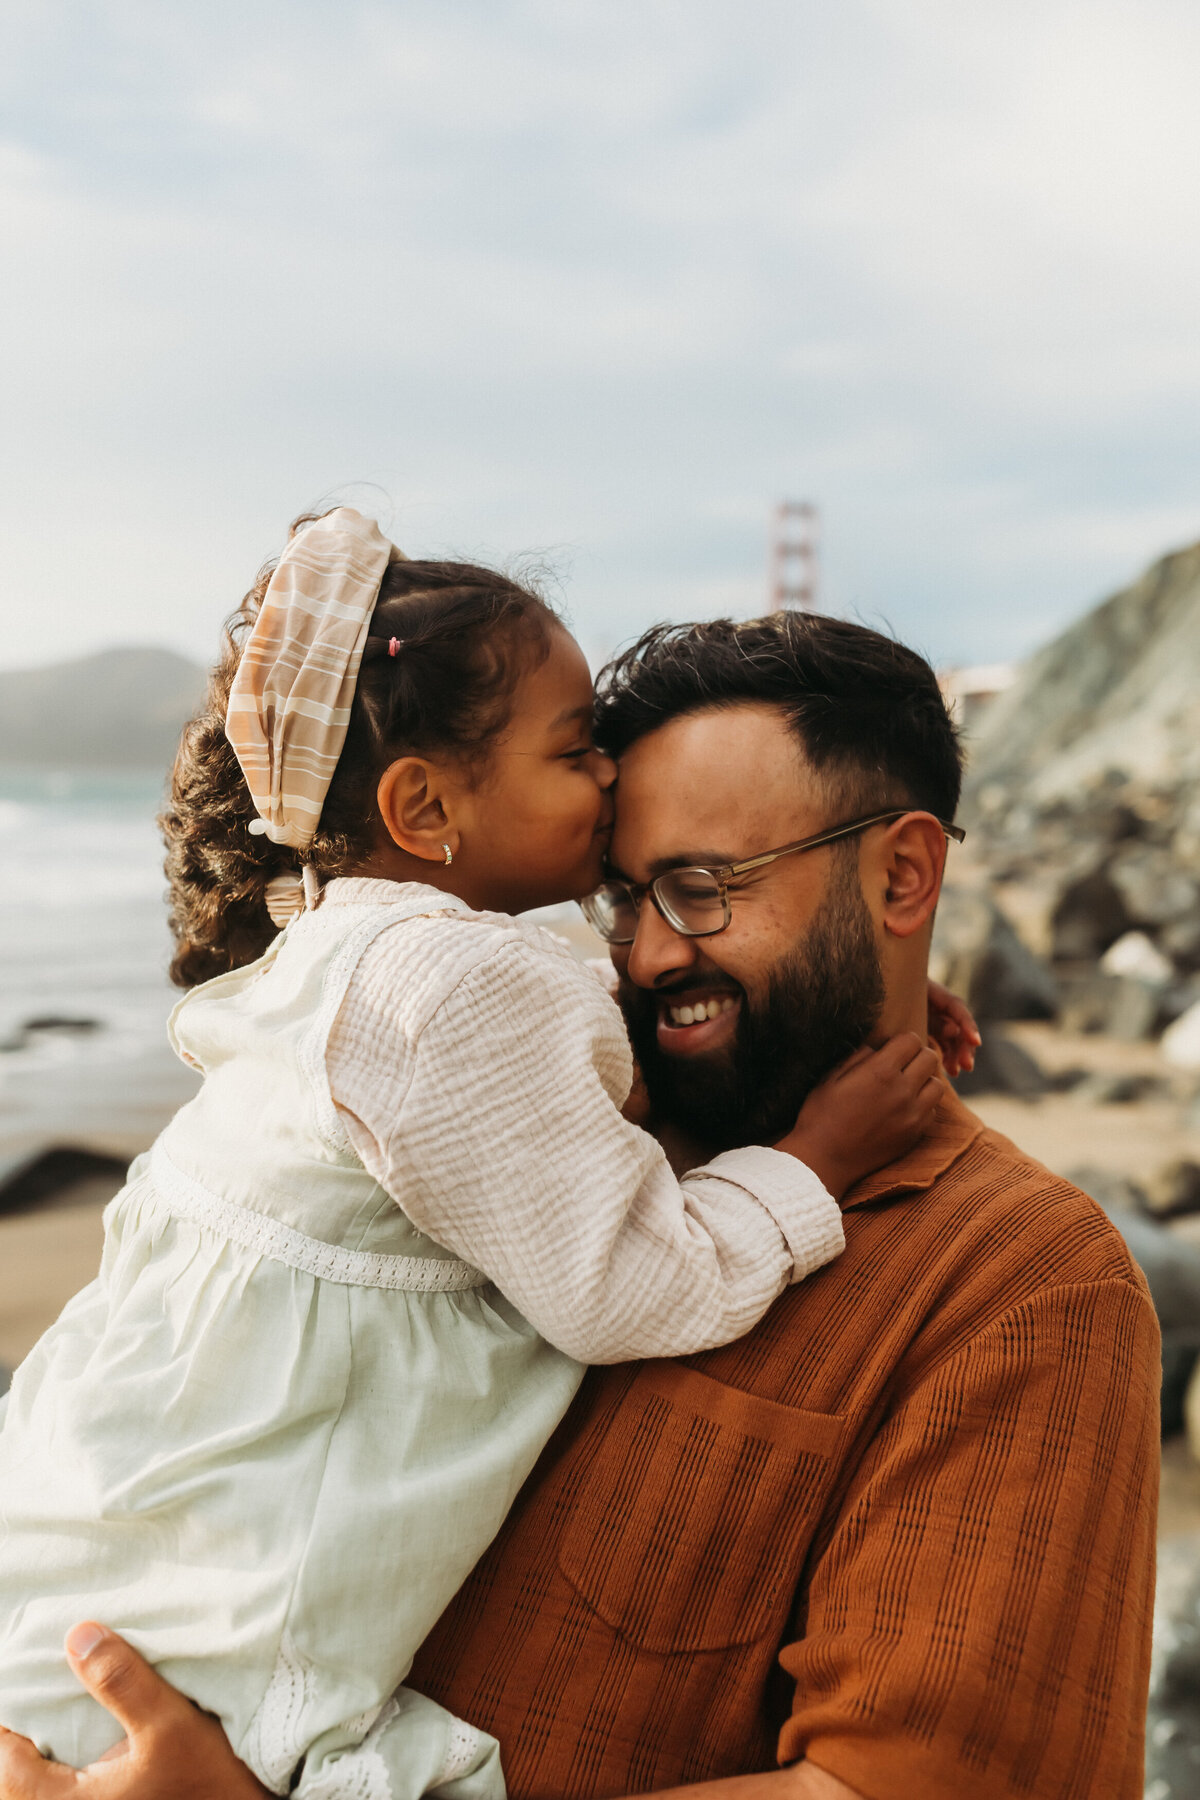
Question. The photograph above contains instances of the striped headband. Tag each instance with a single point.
(289, 706)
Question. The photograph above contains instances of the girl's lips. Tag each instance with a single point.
(678, 1037)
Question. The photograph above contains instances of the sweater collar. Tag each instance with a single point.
(953, 1130)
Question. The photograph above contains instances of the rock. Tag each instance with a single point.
(1119, 1004)
(1118, 693)
(1178, 997)
(1186, 1228)
(1108, 1090)
(1089, 916)
(1153, 889)
(1084, 793)
(1181, 1041)
(1181, 941)
(35, 1179)
(1173, 1718)
(1004, 1067)
(1115, 1193)
(1135, 956)
(1085, 1001)
(1134, 1009)
(977, 953)
(1173, 1188)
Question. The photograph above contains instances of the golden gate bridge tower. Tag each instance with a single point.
(793, 580)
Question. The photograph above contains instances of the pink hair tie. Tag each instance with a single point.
(394, 645)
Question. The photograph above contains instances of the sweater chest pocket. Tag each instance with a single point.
(687, 1529)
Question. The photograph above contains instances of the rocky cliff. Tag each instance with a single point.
(1114, 700)
(1083, 803)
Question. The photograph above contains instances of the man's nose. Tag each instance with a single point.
(656, 949)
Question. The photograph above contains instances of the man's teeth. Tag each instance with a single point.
(696, 1015)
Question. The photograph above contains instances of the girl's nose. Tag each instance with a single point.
(604, 769)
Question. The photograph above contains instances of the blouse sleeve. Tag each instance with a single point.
(502, 1139)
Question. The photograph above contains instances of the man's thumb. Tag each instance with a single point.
(114, 1674)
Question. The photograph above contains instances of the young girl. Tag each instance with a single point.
(345, 1299)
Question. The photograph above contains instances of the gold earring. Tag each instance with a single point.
(449, 854)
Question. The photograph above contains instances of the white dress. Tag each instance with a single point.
(269, 1442)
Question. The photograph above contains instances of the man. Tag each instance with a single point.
(898, 1542)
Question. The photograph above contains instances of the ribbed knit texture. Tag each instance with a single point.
(928, 1479)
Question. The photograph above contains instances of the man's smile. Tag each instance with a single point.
(696, 1020)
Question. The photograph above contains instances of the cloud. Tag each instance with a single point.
(606, 279)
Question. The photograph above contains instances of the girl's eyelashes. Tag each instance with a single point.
(575, 755)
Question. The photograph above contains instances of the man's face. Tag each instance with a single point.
(794, 983)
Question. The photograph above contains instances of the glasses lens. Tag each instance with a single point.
(691, 901)
(611, 913)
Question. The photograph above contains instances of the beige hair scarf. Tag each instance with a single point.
(289, 706)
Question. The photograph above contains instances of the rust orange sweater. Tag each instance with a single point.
(905, 1528)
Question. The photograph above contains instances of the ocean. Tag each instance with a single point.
(84, 947)
(84, 994)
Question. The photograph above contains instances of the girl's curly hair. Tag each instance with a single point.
(468, 634)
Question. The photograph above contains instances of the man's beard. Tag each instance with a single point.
(821, 1004)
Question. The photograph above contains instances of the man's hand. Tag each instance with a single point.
(171, 1750)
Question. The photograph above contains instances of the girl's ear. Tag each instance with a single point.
(915, 855)
(416, 804)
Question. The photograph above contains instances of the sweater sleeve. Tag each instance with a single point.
(503, 1141)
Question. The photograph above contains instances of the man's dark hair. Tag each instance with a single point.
(867, 712)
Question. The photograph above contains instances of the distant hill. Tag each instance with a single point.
(118, 709)
(1116, 697)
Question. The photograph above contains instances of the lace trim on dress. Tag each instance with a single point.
(188, 1199)
(360, 1774)
(461, 1752)
(274, 1745)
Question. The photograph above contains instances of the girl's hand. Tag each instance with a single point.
(171, 1750)
(953, 1030)
(870, 1111)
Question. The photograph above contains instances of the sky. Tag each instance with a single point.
(598, 282)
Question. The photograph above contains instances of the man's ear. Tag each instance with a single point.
(416, 804)
(914, 856)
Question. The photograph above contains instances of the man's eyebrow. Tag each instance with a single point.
(688, 859)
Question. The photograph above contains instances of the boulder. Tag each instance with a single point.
(1109, 1090)
(1085, 1000)
(1136, 957)
(1153, 890)
(1173, 1188)
(1181, 1041)
(1090, 914)
(1173, 1717)
(1004, 1067)
(1135, 1008)
(977, 953)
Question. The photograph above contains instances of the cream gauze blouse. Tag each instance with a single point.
(344, 1301)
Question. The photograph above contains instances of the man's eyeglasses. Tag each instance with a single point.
(695, 902)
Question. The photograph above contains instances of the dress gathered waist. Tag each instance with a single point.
(186, 1198)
